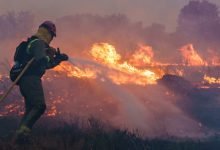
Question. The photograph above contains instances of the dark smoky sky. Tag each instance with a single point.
(80, 25)
(147, 11)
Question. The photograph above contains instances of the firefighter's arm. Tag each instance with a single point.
(51, 53)
(37, 49)
(55, 57)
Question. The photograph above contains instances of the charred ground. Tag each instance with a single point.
(53, 134)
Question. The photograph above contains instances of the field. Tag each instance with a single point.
(51, 134)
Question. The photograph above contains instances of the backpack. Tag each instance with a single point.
(21, 58)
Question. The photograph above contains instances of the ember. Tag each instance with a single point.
(212, 80)
(125, 91)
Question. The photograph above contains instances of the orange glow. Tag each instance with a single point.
(125, 73)
(73, 71)
(53, 109)
(52, 112)
(211, 80)
(142, 56)
(106, 64)
(191, 57)
(117, 71)
(10, 109)
(105, 53)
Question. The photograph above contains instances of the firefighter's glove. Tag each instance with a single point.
(61, 57)
(57, 52)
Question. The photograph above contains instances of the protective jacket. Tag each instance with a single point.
(36, 48)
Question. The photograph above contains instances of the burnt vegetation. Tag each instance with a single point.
(51, 134)
(198, 23)
(55, 133)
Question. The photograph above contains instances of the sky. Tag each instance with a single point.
(147, 11)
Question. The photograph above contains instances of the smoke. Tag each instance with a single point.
(78, 32)
(149, 109)
(199, 24)
(199, 21)
(15, 25)
(13, 28)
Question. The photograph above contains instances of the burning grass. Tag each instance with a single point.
(172, 108)
(128, 95)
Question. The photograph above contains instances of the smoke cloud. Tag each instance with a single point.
(198, 23)
(15, 25)
(13, 28)
(148, 108)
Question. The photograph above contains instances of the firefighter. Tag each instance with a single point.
(45, 57)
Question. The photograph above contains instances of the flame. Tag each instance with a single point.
(117, 71)
(106, 54)
(112, 67)
(143, 56)
(73, 71)
(130, 75)
(211, 80)
(126, 72)
(191, 57)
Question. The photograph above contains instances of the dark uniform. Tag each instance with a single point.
(30, 84)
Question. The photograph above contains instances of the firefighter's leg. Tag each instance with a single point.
(28, 108)
(31, 89)
(35, 101)
(23, 132)
(35, 113)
